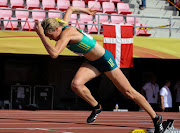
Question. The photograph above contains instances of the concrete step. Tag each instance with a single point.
(154, 12)
(164, 33)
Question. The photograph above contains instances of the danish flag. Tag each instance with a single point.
(118, 39)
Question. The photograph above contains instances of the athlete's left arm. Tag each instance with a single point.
(72, 10)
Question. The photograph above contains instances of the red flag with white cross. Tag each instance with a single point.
(118, 39)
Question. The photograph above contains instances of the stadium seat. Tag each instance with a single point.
(27, 26)
(10, 25)
(97, 5)
(116, 1)
(101, 1)
(131, 20)
(73, 17)
(54, 14)
(17, 3)
(107, 23)
(93, 28)
(5, 13)
(78, 4)
(141, 31)
(3, 3)
(33, 4)
(117, 19)
(85, 18)
(76, 0)
(80, 26)
(21, 14)
(108, 7)
(63, 5)
(36, 14)
(86, 1)
(102, 18)
(123, 8)
(48, 4)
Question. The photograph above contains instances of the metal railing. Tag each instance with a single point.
(98, 24)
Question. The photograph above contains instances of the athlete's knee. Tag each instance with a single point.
(76, 85)
(131, 93)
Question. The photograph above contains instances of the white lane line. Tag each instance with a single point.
(45, 129)
(64, 128)
(135, 122)
(67, 121)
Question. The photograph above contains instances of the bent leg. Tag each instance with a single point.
(121, 82)
(85, 73)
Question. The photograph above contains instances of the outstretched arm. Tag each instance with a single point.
(72, 10)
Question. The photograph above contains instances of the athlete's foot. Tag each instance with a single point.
(158, 124)
(94, 114)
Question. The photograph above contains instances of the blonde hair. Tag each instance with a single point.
(50, 24)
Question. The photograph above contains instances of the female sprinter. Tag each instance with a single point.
(99, 59)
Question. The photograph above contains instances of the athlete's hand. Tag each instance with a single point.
(91, 11)
(38, 28)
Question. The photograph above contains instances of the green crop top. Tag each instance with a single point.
(84, 46)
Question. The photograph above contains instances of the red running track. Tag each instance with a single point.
(17, 121)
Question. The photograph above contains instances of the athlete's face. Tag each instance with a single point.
(54, 35)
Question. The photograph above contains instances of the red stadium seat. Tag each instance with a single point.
(3, 3)
(123, 8)
(85, 18)
(10, 25)
(131, 20)
(86, 1)
(80, 26)
(48, 4)
(102, 18)
(108, 7)
(76, 0)
(27, 26)
(17, 3)
(73, 17)
(78, 4)
(5, 13)
(116, 1)
(38, 14)
(117, 19)
(21, 14)
(33, 4)
(63, 5)
(96, 5)
(141, 31)
(93, 28)
(54, 14)
(101, 1)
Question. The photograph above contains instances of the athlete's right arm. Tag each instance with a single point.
(72, 10)
(53, 51)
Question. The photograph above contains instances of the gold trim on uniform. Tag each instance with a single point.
(111, 62)
(83, 46)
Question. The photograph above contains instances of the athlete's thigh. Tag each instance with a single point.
(85, 73)
(119, 79)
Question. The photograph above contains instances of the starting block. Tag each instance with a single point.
(167, 125)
